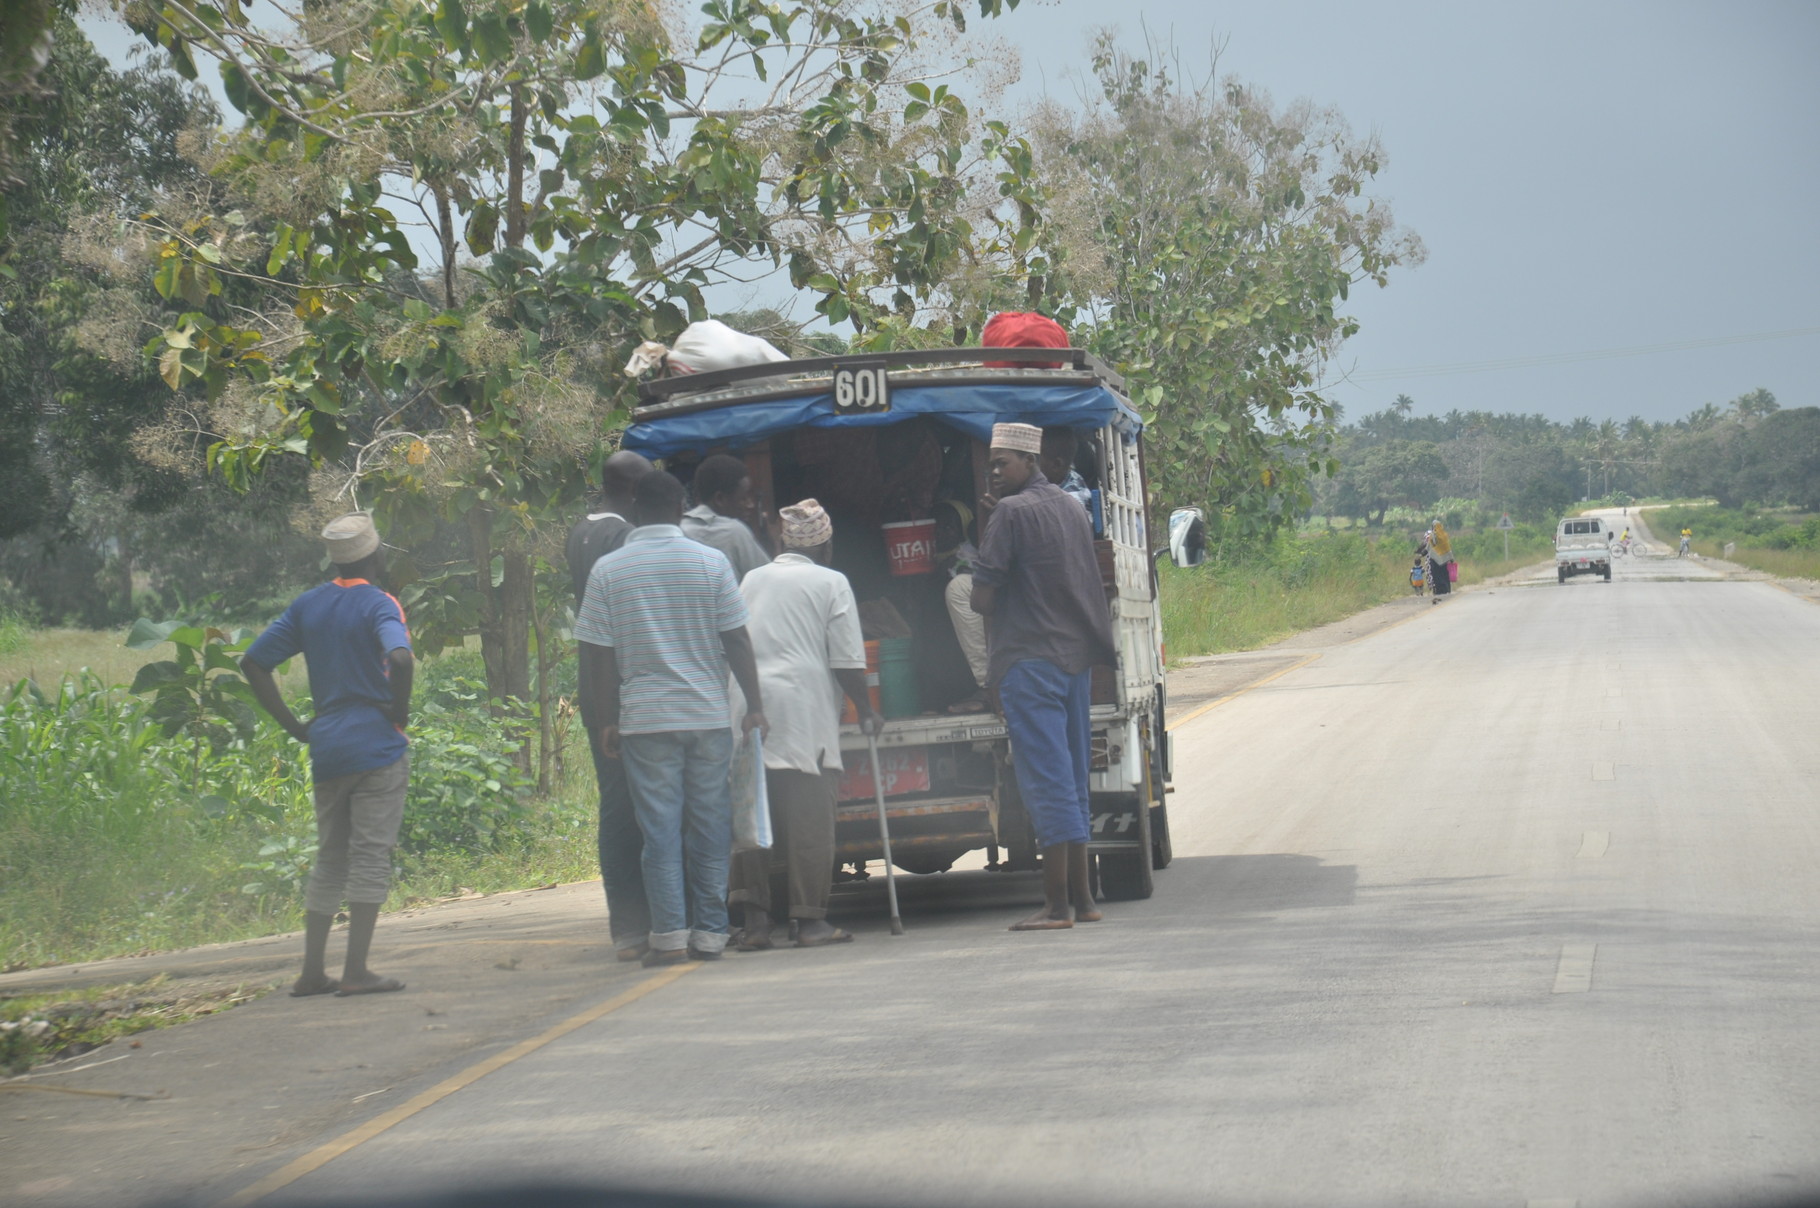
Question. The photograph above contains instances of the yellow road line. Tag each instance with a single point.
(324, 1154)
(1216, 703)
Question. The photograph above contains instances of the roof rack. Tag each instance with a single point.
(778, 379)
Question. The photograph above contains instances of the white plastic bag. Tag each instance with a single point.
(751, 808)
(710, 344)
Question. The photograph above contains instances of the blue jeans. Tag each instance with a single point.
(621, 844)
(679, 789)
(1046, 714)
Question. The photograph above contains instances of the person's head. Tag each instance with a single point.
(807, 530)
(354, 546)
(619, 476)
(1012, 458)
(1057, 457)
(723, 483)
(657, 499)
(952, 520)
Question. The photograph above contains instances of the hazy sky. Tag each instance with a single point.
(1590, 179)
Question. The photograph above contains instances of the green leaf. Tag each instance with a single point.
(539, 21)
(492, 43)
(153, 676)
(483, 226)
(234, 84)
(452, 23)
(147, 634)
(589, 61)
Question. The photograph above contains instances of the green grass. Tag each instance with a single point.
(1778, 541)
(1783, 563)
(36, 1028)
(1303, 582)
(48, 655)
(109, 845)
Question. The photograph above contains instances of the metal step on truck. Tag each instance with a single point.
(894, 446)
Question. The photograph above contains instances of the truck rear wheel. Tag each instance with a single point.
(1161, 851)
(1561, 574)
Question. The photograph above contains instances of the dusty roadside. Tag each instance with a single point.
(264, 1079)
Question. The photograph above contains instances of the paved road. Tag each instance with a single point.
(1511, 903)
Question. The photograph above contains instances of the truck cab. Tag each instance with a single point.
(1582, 547)
(889, 444)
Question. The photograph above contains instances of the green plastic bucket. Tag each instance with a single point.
(897, 694)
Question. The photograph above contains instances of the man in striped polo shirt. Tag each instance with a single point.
(661, 623)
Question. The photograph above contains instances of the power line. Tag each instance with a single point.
(1573, 358)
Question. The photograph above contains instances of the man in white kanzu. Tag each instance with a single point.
(806, 638)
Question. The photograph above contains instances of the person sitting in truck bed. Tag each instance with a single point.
(1037, 582)
(1060, 447)
(723, 500)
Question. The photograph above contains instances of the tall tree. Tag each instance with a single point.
(574, 175)
(1206, 239)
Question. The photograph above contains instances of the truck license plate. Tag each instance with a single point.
(903, 770)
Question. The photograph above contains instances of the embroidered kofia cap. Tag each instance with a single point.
(1020, 438)
(806, 525)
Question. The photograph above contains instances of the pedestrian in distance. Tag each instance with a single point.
(809, 652)
(1037, 582)
(619, 840)
(1440, 553)
(662, 623)
(354, 642)
(724, 504)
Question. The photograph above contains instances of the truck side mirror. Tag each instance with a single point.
(1187, 537)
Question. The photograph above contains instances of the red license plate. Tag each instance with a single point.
(905, 770)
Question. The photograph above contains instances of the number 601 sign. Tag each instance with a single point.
(862, 389)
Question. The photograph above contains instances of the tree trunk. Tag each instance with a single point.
(517, 221)
(546, 728)
(445, 235)
(514, 600)
(492, 632)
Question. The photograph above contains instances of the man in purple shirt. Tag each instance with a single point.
(353, 639)
(1037, 583)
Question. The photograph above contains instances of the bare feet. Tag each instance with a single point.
(1042, 920)
(1087, 914)
(813, 933)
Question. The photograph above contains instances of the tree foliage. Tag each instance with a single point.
(1750, 451)
(468, 213)
(1206, 238)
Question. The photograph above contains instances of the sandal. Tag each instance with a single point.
(839, 937)
(385, 985)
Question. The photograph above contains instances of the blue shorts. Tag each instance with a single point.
(1046, 714)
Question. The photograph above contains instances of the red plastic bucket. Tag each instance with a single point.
(910, 546)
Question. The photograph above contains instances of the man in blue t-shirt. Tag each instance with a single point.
(353, 639)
